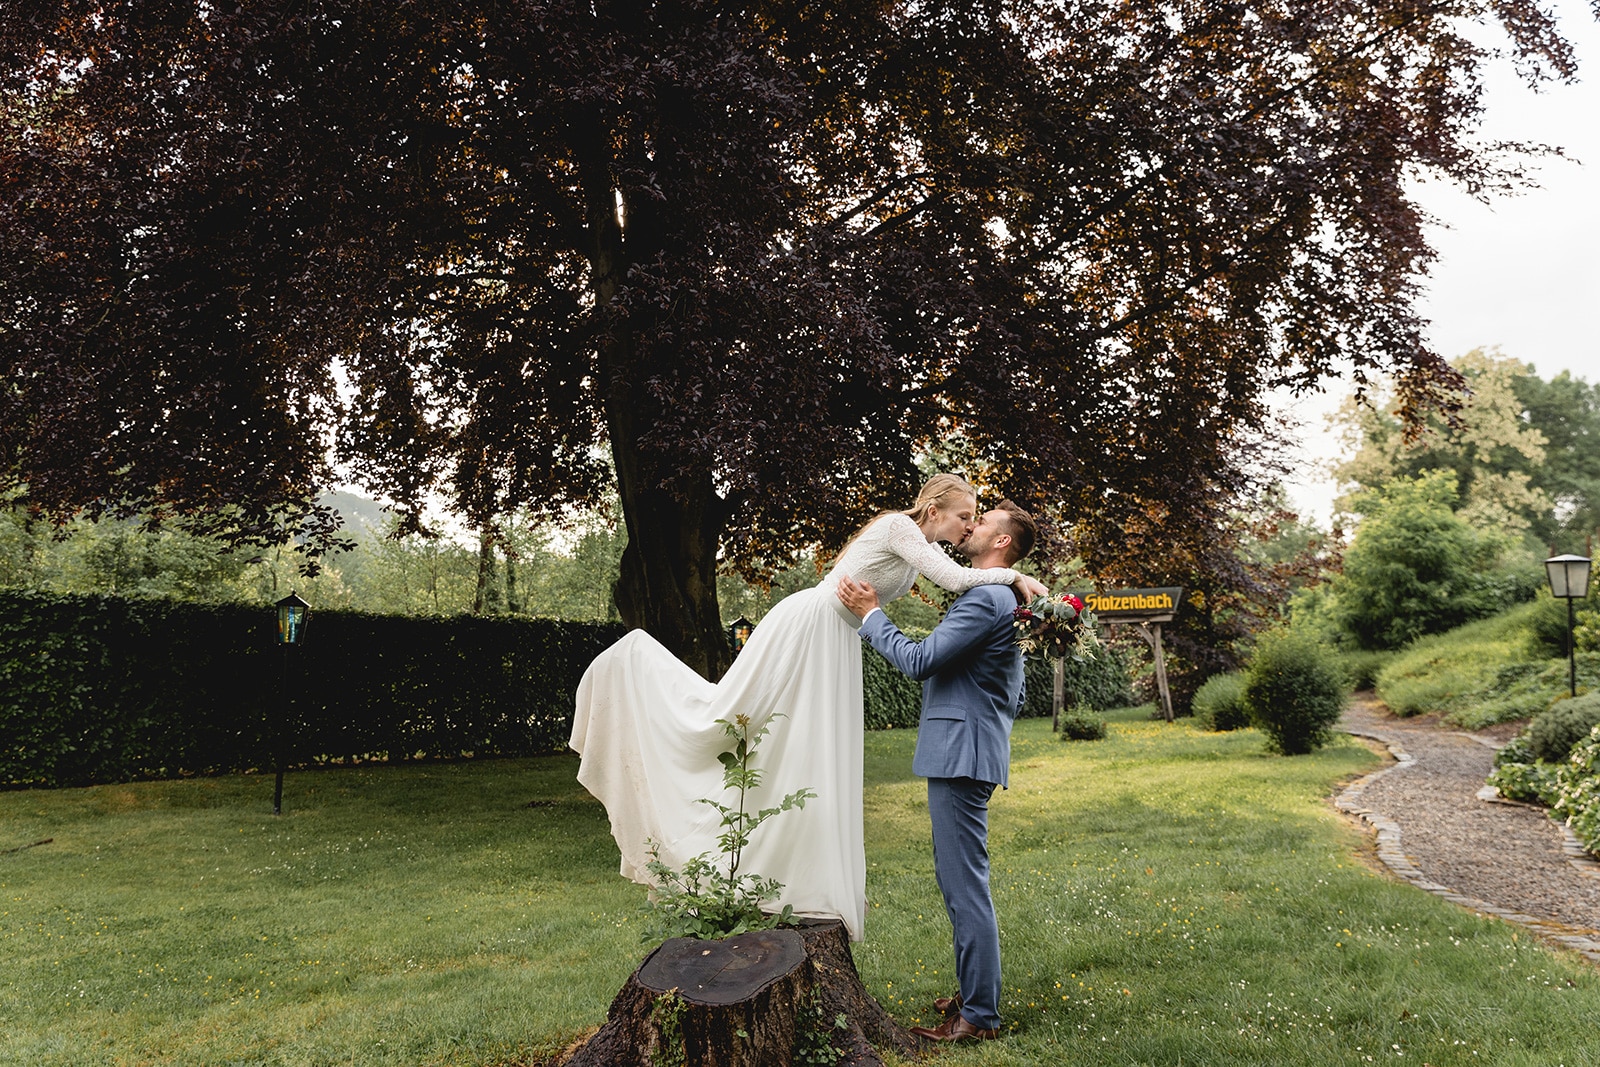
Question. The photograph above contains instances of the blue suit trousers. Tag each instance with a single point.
(959, 811)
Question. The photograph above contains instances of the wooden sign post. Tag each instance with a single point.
(1145, 609)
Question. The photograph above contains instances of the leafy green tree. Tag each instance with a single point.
(1492, 447)
(1566, 410)
(1415, 566)
(765, 253)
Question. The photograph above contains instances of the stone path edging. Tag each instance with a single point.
(1393, 857)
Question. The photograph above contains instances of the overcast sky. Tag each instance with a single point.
(1522, 273)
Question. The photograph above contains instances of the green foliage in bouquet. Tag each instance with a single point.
(704, 900)
(1059, 626)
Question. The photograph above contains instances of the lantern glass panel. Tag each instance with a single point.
(1569, 575)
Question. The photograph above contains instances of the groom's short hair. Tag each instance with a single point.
(1020, 525)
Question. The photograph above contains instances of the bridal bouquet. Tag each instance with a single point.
(1057, 626)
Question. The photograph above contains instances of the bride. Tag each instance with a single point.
(646, 724)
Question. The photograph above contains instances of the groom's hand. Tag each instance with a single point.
(859, 597)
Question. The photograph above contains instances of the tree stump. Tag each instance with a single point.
(754, 1000)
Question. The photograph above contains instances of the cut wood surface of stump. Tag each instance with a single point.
(754, 1000)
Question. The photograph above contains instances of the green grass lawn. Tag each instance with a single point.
(1166, 897)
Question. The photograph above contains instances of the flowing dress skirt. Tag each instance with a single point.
(646, 728)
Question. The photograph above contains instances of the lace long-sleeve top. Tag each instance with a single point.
(892, 551)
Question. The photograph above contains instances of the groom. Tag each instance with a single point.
(971, 672)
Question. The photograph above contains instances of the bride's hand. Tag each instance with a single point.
(1028, 588)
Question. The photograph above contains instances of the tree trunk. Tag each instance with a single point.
(513, 598)
(485, 570)
(756, 1000)
(668, 580)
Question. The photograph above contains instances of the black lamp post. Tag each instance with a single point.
(292, 615)
(739, 632)
(1569, 579)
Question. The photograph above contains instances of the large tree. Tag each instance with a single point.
(768, 253)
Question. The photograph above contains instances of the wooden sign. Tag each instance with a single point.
(1121, 602)
(1145, 610)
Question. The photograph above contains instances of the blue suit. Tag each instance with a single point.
(971, 674)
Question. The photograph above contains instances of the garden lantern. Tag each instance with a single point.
(292, 615)
(739, 632)
(1569, 579)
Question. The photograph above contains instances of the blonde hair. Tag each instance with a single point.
(937, 492)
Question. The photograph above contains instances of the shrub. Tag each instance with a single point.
(1535, 783)
(1082, 723)
(1553, 733)
(1219, 703)
(1293, 692)
(1577, 793)
(1547, 627)
(1361, 666)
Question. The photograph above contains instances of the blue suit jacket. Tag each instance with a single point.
(971, 675)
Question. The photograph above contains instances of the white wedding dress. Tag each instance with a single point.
(646, 727)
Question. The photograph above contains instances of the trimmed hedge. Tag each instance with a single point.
(1101, 683)
(102, 689)
(105, 689)
(892, 700)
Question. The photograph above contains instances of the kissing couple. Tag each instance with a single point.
(646, 727)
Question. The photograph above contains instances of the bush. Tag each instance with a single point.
(1534, 783)
(1082, 723)
(1552, 734)
(1577, 792)
(1293, 692)
(1414, 568)
(1362, 666)
(1219, 703)
(1547, 627)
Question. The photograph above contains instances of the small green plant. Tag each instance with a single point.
(666, 1015)
(1082, 723)
(1553, 733)
(1219, 703)
(703, 900)
(813, 1033)
(1535, 782)
(1293, 692)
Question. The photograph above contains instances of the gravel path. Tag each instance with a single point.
(1433, 829)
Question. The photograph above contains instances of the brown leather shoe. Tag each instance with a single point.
(955, 1028)
(946, 1005)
